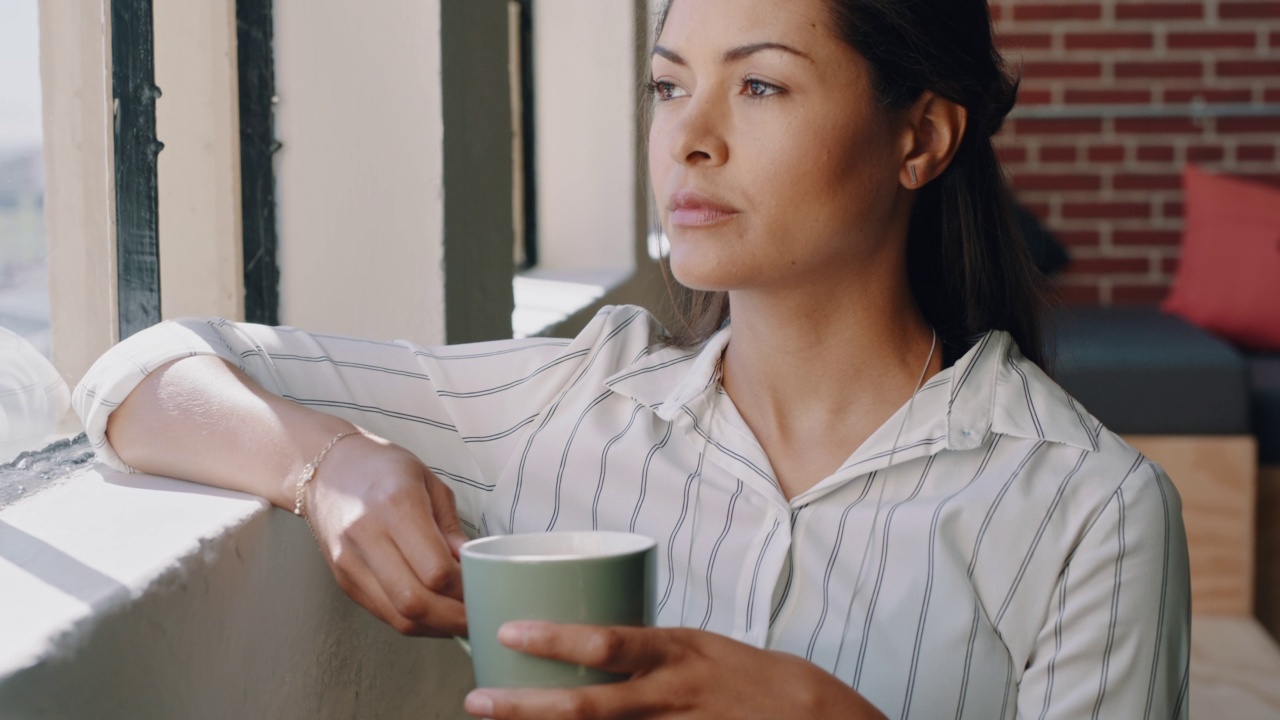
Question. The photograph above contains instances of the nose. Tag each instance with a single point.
(697, 135)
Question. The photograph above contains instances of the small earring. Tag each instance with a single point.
(914, 180)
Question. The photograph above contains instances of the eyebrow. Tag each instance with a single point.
(735, 54)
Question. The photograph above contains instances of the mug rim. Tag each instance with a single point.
(627, 544)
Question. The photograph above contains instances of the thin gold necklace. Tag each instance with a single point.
(875, 517)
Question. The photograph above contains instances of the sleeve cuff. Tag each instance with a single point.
(114, 375)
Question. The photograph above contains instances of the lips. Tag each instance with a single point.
(690, 209)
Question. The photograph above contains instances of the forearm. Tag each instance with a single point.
(202, 420)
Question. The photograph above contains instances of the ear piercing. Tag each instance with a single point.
(914, 180)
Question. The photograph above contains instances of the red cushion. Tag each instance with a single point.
(1228, 280)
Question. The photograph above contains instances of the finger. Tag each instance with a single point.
(618, 700)
(361, 586)
(422, 543)
(615, 649)
(444, 508)
(409, 597)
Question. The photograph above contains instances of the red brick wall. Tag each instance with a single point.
(1107, 182)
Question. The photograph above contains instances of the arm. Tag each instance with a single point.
(201, 419)
(1117, 641)
(246, 407)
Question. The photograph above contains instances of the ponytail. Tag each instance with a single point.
(967, 263)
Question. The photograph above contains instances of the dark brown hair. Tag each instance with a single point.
(967, 264)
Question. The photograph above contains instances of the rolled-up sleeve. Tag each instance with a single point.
(461, 409)
(1117, 639)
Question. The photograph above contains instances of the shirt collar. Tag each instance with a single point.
(992, 388)
(996, 389)
(673, 378)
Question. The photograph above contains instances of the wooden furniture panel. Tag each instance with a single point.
(1235, 670)
(1268, 595)
(1216, 477)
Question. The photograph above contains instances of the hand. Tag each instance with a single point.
(389, 530)
(674, 673)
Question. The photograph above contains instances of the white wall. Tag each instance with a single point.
(586, 128)
(75, 77)
(360, 196)
(198, 173)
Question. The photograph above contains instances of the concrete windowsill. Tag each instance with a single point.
(89, 545)
(547, 298)
(26, 471)
(139, 596)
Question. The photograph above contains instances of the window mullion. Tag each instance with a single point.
(254, 38)
(136, 150)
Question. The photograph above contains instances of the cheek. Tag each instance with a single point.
(834, 171)
(659, 157)
(839, 152)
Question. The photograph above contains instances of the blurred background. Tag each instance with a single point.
(1117, 98)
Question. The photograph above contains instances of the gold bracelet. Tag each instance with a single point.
(299, 494)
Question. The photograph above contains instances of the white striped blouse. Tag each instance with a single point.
(1008, 557)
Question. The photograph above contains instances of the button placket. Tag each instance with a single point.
(760, 579)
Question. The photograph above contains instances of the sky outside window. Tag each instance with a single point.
(24, 295)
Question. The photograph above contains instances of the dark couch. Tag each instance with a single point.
(1140, 371)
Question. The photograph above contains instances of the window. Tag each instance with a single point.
(231, 128)
(33, 398)
(586, 209)
(24, 292)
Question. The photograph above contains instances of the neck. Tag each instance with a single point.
(813, 361)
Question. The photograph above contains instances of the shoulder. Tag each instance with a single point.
(636, 320)
(1092, 463)
(1125, 475)
(1103, 487)
(617, 336)
(610, 341)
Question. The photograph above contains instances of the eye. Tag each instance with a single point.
(754, 88)
(664, 90)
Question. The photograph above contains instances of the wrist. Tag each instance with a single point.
(309, 473)
(304, 445)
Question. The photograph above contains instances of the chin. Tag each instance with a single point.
(698, 273)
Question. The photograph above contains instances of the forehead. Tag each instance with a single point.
(712, 26)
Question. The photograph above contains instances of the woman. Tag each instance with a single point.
(869, 498)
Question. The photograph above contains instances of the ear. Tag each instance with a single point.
(934, 127)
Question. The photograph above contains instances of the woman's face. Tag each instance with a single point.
(773, 166)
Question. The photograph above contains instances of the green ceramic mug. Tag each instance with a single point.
(590, 578)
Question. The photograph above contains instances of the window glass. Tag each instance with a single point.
(34, 399)
(24, 294)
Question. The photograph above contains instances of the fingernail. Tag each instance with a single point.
(478, 703)
(515, 634)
